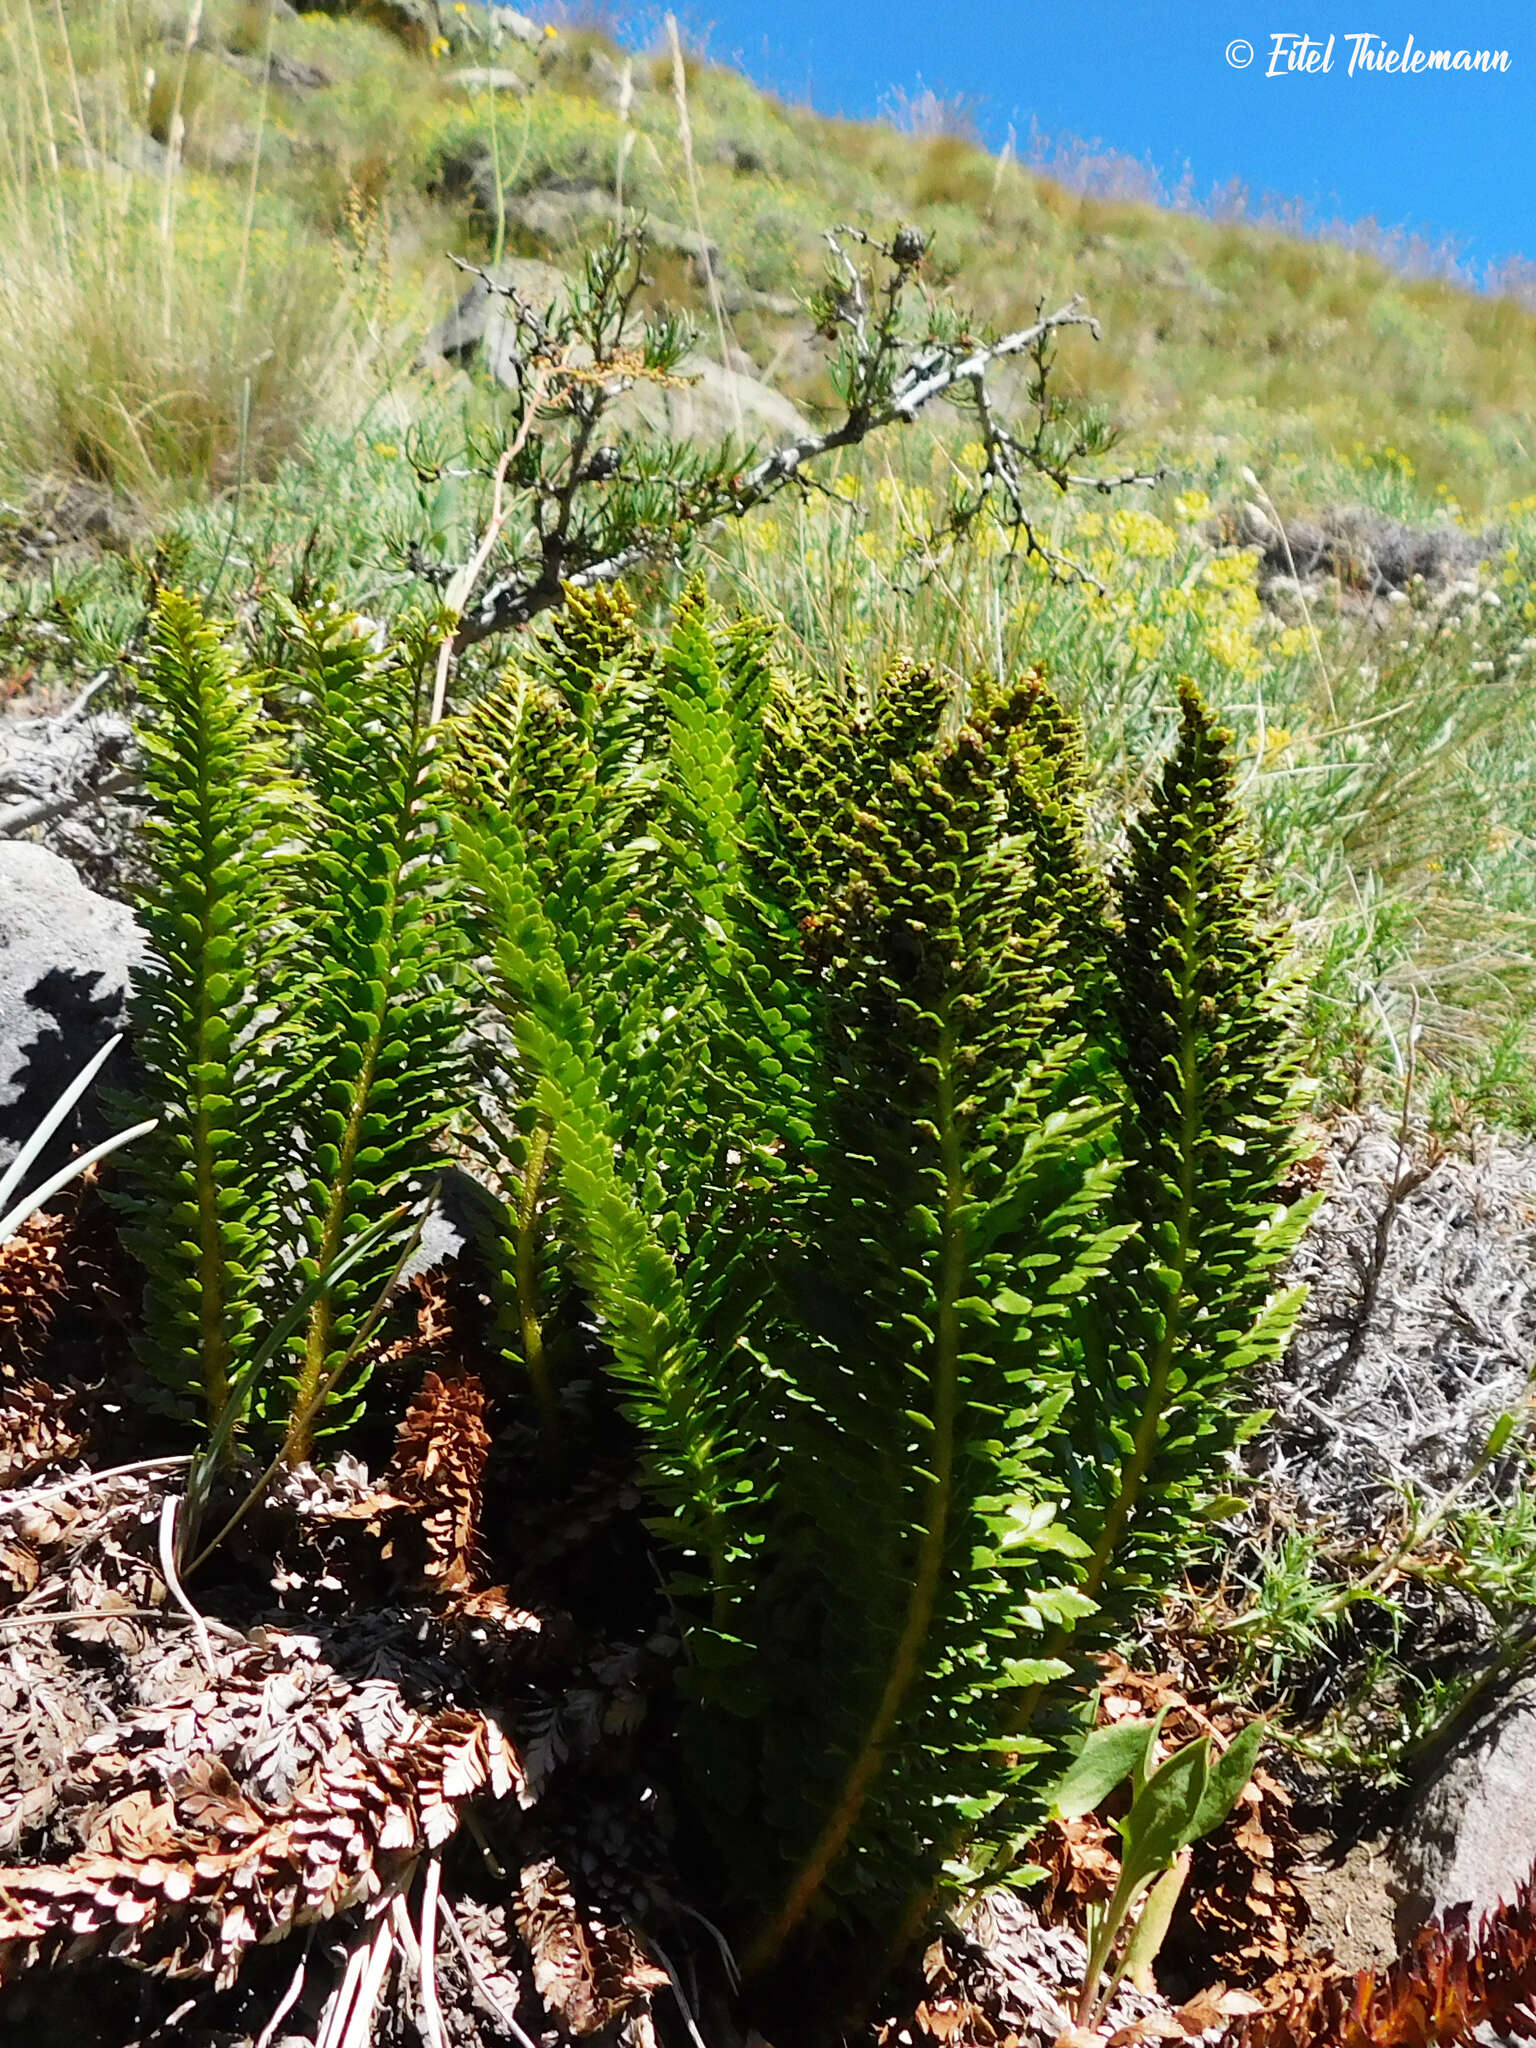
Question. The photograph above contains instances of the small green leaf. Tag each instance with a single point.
(1106, 1760)
(1163, 1818)
(1228, 1775)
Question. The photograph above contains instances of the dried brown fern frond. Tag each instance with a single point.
(437, 1475)
(40, 1426)
(33, 1281)
(201, 1834)
(1451, 1985)
(588, 1968)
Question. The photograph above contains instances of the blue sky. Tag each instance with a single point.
(1446, 155)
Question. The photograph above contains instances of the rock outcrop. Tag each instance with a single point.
(65, 958)
(1470, 1835)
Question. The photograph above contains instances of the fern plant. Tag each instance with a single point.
(299, 1023)
(382, 1040)
(215, 1012)
(850, 1069)
(919, 1181)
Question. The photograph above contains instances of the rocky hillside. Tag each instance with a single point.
(229, 223)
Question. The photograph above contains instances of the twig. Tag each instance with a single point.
(935, 370)
(359, 2029)
(677, 1990)
(57, 1617)
(460, 589)
(727, 1953)
(431, 2010)
(1405, 1182)
(173, 1586)
(77, 707)
(19, 1494)
(338, 2006)
(289, 1999)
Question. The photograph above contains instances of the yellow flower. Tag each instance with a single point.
(1228, 571)
(846, 486)
(1191, 505)
(1276, 740)
(439, 45)
(1090, 526)
(765, 535)
(973, 456)
(461, 6)
(1146, 640)
(1141, 534)
(1293, 641)
(1234, 650)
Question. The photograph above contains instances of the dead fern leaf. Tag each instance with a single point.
(589, 1971)
(437, 1475)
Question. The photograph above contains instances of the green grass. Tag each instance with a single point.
(228, 348)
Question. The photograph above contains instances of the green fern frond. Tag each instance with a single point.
(216, 1007)
(963, 1196)
(550, 980)
(382, 1040)
(1208, 1055)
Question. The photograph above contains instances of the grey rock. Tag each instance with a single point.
(66, 955)
(1470, 1835)
(516, 25)
(1369, 554)
(716, 404)
(482, 318)
(474, 78)
(609, 82)
(560, 211)
(69, 780)
(132, 154)
(289, 74)
(415, 20)
(556, 213)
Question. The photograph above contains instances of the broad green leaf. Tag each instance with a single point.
(1106, 1759)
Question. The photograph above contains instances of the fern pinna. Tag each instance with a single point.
(381, 1044)
(214, 1009)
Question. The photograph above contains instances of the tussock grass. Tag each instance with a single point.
(173, 323)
